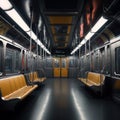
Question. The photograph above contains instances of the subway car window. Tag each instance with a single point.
(48, 63)
(108, 60)
(57, 62)
(92, 62)
(63, 63)
(82, 68)
(23, 62)
(73, 62)
(12, 60)
(39, 62)
(82, 62)
(34, 63)
(97, 61)
(102, 60)
(29, 61)
(88, 63)
(117, 59)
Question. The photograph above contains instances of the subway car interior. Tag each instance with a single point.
(60, 59)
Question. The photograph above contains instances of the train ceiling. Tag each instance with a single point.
(59, 24)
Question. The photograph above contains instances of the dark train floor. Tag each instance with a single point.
(63, 99)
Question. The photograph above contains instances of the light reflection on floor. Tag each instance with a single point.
(78, 102)
(40, 106)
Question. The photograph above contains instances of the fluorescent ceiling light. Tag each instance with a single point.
(89, 35)
(43, 47)
(72, 52)
(94, 29)
(99, 24)
(76, 49)
(79, 45)
(33, 36)
(5, 4)
(48, 52)
(39, 43)
(18, 19)
(83, 41)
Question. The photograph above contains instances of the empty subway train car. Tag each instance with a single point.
(59, 60)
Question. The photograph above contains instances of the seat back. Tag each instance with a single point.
(11, 84)
(94, 77)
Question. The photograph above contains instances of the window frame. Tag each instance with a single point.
(15, 57)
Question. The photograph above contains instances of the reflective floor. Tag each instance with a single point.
(63, 99)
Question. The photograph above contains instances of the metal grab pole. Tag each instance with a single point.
(90, 54)
(37, 48)
(31, 66)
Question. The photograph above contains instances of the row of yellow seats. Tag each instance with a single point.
(33, 76)
(93, 79)
(15, 87)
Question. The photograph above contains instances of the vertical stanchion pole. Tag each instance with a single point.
(31, 57)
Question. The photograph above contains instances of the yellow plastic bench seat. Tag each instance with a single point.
(15, 87)
(93, 79)
(34, 77)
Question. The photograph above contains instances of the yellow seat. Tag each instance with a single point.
(93, 79)
(33, 77)
(15, 87)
